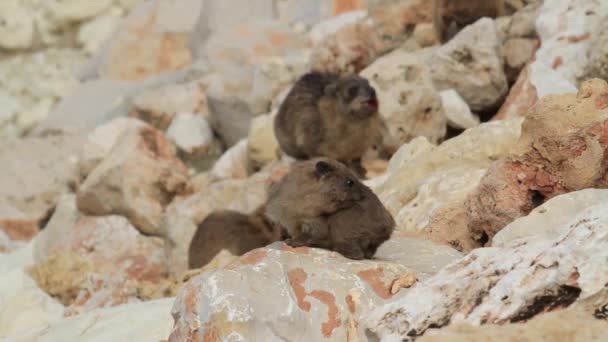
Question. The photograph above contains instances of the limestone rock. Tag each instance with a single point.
(409, 104)
(233, 163)
(507, 284)
(152, 40)
(457, 111)
(185, 213)
(320, 303)
(17, 26)
(583, 321)
(517, 53)
(159, 106)
(77, 10)
(94, 33)
(561, 149)
(427, 186)
(598, 55)
(196, 144)
(262, 145)
(35, 172)
(138, 179)
(93, 262)
(149, 321)
(471, 64)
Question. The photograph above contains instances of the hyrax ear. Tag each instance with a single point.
(322, 168)
(331, 89)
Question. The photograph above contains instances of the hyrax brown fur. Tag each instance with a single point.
(326, 115)
(450, 16)
(230, 230)
(320, 203)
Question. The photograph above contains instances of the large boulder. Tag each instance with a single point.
(409, 103)
(472, 65)
(137, 179)
(510, 283)
(321, 296)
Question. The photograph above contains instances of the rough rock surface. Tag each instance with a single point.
(409, 104)
(138, 179)
(434, 181)
(561, 149)
(93, 262)
(320, 303)
(472, 65)
(507, 284)
(184, 214)
(581, 322)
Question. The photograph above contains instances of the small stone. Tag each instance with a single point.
(457, 111)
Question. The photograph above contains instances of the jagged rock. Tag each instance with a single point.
(354, 47)
(17, 26)
(34, 173)
(149, 321)
(517, 53)
(561, 149)
(581, 322)
(426, 186)
(471, 64)
(185, 213)
(94, 33)
(159, 106)
(319, 303)
(562, 56)
(262, 145)
(194, 138)
(409, 104)
(598, 55)
(507, 284)
(457, 111)
(94, 262)
(138, 179)
(152, 40)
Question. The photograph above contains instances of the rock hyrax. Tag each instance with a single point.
(230, 230)
(320, 203)
(450, 16)
(326, 115)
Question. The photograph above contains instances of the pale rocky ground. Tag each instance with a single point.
(124, 123)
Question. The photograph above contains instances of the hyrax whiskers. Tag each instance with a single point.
(320, 203)
(230, 230)
(326, 115)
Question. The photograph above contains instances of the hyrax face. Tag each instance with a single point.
(336, 186)
(356, 95)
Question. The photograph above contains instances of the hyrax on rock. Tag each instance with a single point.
(321, 203)
(230, 230)
(327, 115)
(450, 16)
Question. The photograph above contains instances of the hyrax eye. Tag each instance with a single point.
(349, 183)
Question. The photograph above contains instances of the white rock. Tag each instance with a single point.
(330, 26)
(24, 306)
(563, 263)
(148, 321)
(263, 147)
(233, 163)
(94, 33)
(16, 26)
(190, 131)
(77, 10)
(409, 103)
(548, 81)
(457, 111)
(471, 64)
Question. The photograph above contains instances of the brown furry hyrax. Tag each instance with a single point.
(326, 115)
(450, 16)
(320, 203)
(236, 232)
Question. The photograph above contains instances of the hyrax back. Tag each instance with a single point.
(230, 230)
(326, 115)
(312, 190)
(450, 16)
